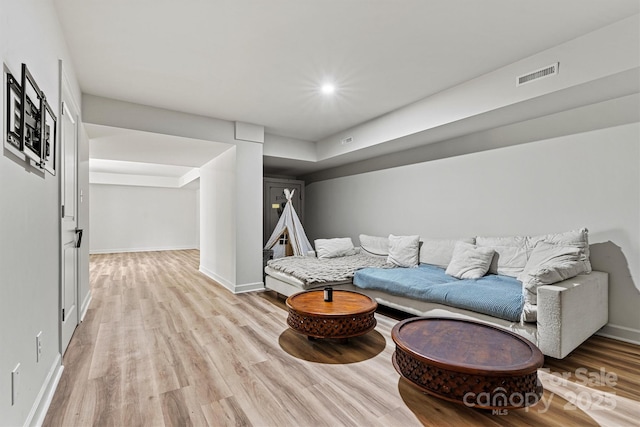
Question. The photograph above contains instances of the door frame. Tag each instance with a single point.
(65, 96)
(267, 229)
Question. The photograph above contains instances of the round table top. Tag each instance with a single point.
(467, 346)
(345, 303)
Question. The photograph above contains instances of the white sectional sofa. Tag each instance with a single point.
(566, 312)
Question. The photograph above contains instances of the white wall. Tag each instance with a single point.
(228, 246)
(218, 201)
(289, 148)
(249, 203)
(131, 219)
(589, 179)
(84, 202)
(198, 216)
(247, 184)
(29, 223)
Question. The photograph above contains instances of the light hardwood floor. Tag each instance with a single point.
(161, 344)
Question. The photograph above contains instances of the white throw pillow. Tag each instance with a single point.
(333, 248)
(438, 252)
(578, 238)
(511, 254)
(404, 250)
(375, 245)
(469, 261)
(550, 264)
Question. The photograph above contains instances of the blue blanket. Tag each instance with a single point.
(495, 295)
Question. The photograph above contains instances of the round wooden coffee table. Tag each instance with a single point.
(350, 314)
(468, 362)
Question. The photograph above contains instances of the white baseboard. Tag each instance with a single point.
(220, 280)
(150, 249)
(249, 287)
(85, 305)
(620, 333)
(45, 396)
(236, 289)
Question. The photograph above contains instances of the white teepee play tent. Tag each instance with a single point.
(288, 237)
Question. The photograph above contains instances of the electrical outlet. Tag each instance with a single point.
(15, 376)
(38, 346)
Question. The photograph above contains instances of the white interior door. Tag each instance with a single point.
(69, 218)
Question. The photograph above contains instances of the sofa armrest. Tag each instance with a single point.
(571, 311)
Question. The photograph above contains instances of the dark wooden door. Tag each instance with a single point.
(275, 200)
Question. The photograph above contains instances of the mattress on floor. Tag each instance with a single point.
(292, 280)
(495, 295)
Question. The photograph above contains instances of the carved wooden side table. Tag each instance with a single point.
(350, 314)
(468, 362)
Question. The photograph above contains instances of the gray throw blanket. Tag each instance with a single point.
(323, 270)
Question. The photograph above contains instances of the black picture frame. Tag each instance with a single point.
(48, 138)
(31, 119)
(14, 113)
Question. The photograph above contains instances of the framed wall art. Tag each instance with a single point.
(31, 120)
(48, 138)
(30, 124)
(13, 114)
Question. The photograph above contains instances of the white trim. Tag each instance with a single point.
(221, 281)
(620, 333)
(249, 287)
(125, 250)
(45, 395)
(236, 289)
(106, 178)
(188, 177)
(85, 305)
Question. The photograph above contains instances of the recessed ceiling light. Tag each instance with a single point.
(328, 88)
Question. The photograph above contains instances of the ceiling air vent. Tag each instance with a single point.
(548, 71)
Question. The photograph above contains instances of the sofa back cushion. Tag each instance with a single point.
(332, 248)
(576, 238)
(549, 263)
(375, 245)
(511, 254)
(438, 252)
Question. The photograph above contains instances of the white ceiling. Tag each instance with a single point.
(132, 152)
(137, 168)
(111, 143)
(263, 62)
